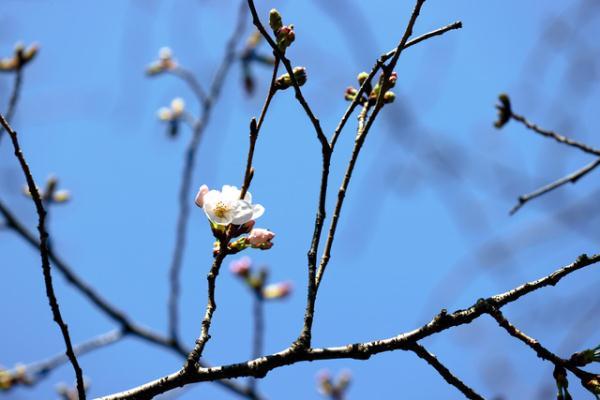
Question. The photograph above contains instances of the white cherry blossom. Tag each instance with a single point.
(225, 207)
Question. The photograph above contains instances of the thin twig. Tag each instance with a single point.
(553, 135)
(14, 97)
(255, 130)
(191, 81)
(361, 137)
(44, 253)
(571, 178)
(206, 105)
(196, 353)
(540, 350)
(36, 371)
(445, 373)
(259, 367)
(258, 334)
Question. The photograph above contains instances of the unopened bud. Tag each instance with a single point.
(285, 36)
(362, 77)
(277, 290)
(284, 81)
(389, 97)
(241, 267)
(275, 21)
(350, 93)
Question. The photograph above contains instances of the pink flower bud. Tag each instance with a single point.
(200, 196)
(277, 290)
(260, 238)
(241, 267)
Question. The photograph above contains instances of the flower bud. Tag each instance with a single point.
(284, 81)
(277, 290)
(285, 36)
(164, 114)
(392, 79)
(241, 267)
(177, 107)
(362, 77)
(350, 93)
(199, 200)
(275, 21)
(504, 111)
(389, 97)
(260, 239)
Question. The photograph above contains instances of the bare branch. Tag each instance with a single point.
(540, 350)
(571, 178)
(448, 376)
(553, 135)
(259, 367)
(44, 253)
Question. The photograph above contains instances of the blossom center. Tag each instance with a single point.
(221, 209)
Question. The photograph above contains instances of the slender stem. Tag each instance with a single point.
(255, 130)
(445, 373)
(14, 97)
(258, 334)
(571, 178)
(206, 106)
(191, 81)
(540, 350)
(553, 135)
(192, 360)
(362, 133)
(39, 370)
(288, 66)
(44, 253)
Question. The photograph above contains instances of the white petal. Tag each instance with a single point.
(248, 197)
(242, 213)
(257, 211)
(211, 198)
(230, 192)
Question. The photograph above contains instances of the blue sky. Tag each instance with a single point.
(425, 225)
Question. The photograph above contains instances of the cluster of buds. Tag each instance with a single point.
(585, 357)
(11, 378)
(231, 216)
(334, 389)
(504, 111)
(249, 56)
(164, 63)
(256, 281)
(373, 92)
(50, 194)
(562, 383)
(285, 81)
(284, 34)
(173, 115)
(20, 57)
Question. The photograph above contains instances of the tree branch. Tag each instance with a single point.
(571, 178)
(44, 253)
(445, 372)
(259, 367)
